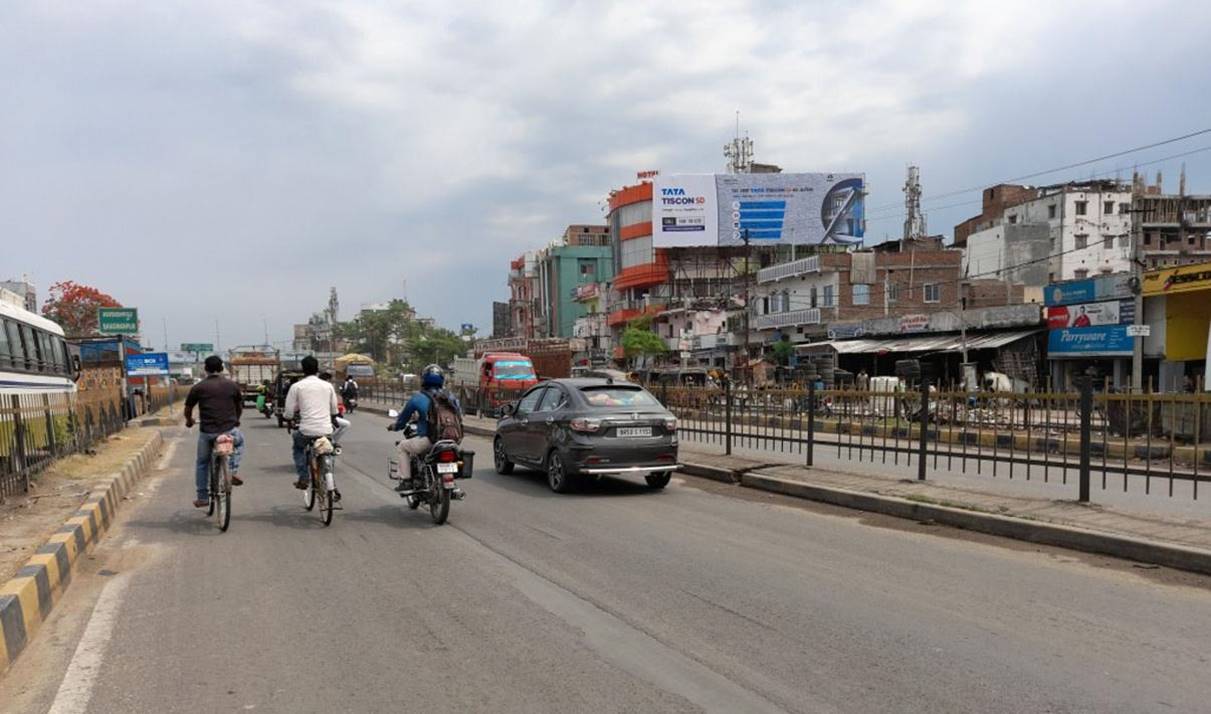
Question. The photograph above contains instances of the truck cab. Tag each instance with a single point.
(503, 376)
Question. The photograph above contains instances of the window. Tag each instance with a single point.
(828, 296)
(618, 396)
(893, 292)
(1013, 220)
(765, 306)
(1124, 241)
(637, 251)
(1051, 211)
(1124, 208)
(813, 298)
(861, 295)
(1147, 239)
(1082, 241)
(786, 301)
(529, 402)
(587, 267)
(31, 347)
(933, 292)
(1082, 207)
(6, 352)
(1108, 242)
(554, 399)
(1108, 207)
(1080, 273)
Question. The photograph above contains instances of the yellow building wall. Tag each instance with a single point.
(1187, 316)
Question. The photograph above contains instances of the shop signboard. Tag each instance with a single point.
(1103, 287)
(914, 323)
(845, 332)
(768, 209)
(1115, 312)
(1184, 279)
(1096, 341)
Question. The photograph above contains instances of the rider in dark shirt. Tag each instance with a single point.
(219, 405)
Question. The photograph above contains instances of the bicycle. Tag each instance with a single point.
(220, 481)
(321, 487)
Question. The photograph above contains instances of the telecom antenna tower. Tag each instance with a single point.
(739, 152)
(914, 220)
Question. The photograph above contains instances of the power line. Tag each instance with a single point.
(1066, 167)
(1099, 175)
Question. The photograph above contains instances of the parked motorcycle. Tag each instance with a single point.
(433, 474)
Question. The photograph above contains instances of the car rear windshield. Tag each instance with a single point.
(513, 369)
(614, 396)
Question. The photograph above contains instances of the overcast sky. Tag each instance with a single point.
(233, 160)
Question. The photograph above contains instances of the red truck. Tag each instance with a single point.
(492, 380)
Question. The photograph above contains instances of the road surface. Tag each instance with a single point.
(618, 599)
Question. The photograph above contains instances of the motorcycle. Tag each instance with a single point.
(433, 474)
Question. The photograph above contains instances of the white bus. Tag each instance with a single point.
(33, 354)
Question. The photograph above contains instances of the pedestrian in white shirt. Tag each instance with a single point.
(313, 403)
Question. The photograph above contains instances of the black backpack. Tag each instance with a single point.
(445, 421)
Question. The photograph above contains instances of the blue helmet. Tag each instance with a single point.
(432, 377)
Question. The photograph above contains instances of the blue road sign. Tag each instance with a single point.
(147, 363)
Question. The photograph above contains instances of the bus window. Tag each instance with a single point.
(46, 355)
(31, 348)
(16, 358)
(62, 358)
(6, 354)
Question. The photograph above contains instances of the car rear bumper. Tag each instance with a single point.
(610, 470)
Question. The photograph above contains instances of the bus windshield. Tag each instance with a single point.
(513, 369)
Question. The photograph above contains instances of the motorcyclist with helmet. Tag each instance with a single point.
(418, 406)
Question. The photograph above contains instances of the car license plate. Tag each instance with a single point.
(448, 468)
(632, 432)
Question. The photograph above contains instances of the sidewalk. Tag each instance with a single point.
(1180, 542)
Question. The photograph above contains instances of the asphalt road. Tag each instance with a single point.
(616, 599)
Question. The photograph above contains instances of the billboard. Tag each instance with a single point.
(1187, 278)
(1117, 312)
(1103, 287)
(1103, 341)
(722, 209)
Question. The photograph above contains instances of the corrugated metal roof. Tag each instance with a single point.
(932, 343)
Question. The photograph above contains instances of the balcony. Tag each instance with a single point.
(791, 318)
(774, 273)
(710, 342)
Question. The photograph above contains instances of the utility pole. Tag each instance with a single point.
(217, 347)
(1137, 281)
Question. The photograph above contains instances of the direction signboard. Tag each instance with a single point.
(197, 347)
(117, 320)
(147, 363)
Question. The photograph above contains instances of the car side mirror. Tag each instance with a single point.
(508, 410)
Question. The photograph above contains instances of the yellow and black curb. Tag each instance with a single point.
(27, 599)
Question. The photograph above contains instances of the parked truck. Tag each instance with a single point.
(251, 367)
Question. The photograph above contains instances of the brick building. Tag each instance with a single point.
(995, 200)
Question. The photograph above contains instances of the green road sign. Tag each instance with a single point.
(117, 320)
(197, 347)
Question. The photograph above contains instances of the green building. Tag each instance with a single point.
(582, 258)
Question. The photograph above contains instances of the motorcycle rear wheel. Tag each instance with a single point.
(439, 500)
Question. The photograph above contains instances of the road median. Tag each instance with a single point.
(27, 599)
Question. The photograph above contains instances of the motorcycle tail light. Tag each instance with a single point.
(587, 426)
(447, 456)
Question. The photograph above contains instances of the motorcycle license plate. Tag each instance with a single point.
(634, 431)
(448, 468)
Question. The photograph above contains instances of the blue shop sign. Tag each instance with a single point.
(1101, 340)
(1073, 291)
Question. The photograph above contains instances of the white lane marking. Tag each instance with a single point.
(166, 455)
(76, 690)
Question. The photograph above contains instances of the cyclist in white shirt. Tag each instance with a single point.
(313, 401)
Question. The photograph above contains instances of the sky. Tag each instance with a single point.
(229, 162)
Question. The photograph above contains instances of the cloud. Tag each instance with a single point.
(308, 144)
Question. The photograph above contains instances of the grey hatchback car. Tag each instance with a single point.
(574, 428)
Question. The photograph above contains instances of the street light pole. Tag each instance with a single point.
(1137, 342)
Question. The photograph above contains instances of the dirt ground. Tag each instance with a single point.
(27, 520)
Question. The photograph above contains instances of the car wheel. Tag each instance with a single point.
(659, 479)
(558, 477)
(500, 458)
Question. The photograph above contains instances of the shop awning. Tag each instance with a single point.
(924, 343)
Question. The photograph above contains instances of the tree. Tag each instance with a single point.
(783, 351)
(638, 339)
(395, 338)
(74, 307)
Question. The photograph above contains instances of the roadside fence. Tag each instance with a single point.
(36, 429)
(482, 402)
(1142, 440)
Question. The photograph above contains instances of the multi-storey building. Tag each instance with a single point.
(581, 257)
(800, 298)
(1173, 229)
(524, 309)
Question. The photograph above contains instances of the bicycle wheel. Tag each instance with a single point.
(439, 498)
(214, 469)
(309, 492)
(223, 495)
(326, 488)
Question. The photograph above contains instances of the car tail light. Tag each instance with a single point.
(447, 456)
(670, 423)
(587, 426)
